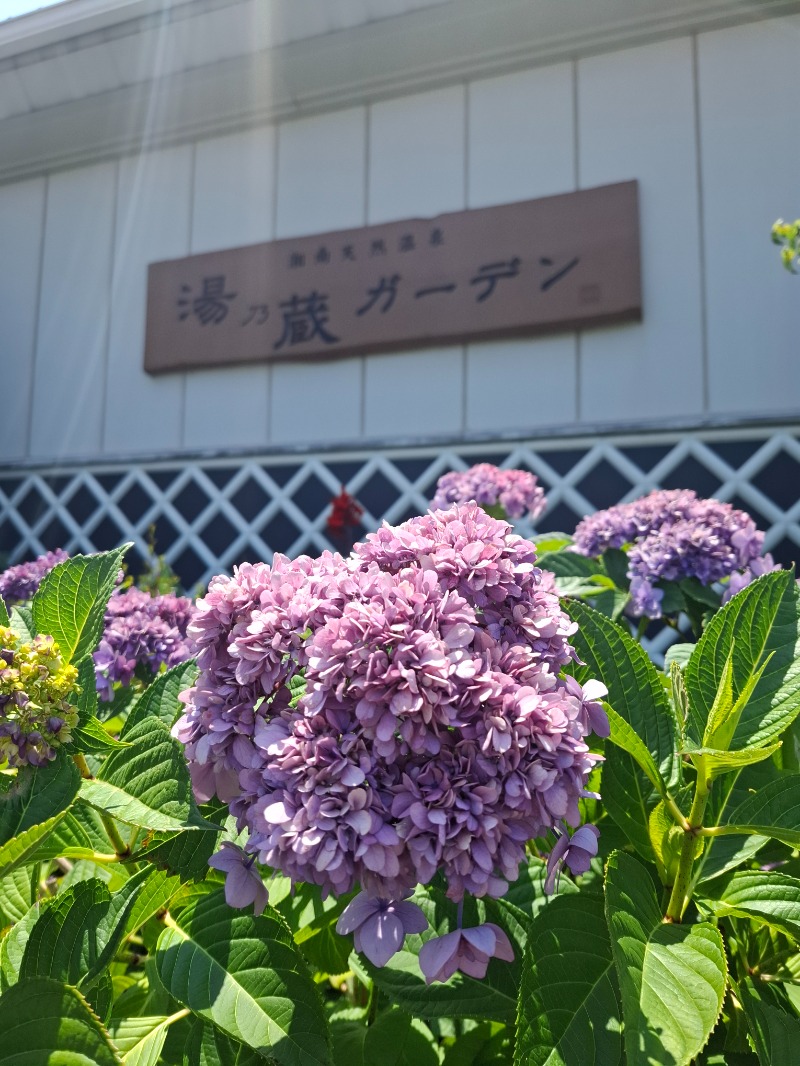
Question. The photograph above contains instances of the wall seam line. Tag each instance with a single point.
(35, 353)
(576, 164)
(107, 352)
(701, 235)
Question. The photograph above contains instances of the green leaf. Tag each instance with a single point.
(148, 783)
(4, 619)
(569, 1011)
(624, 737)
(45, 1021)
(23, 848)
(461, 996)
(70, 603)
(156, 893)
(73, 936)
(244, 974)
(38, 793)
(79, 835)
(672, 977)
(397, 1039)
(161, 697)
(763, 618)
(93, 737)
(16, 896)
(714, 761)
(21, 622)
(186, 853)
(636, 693)
(678, 653)
(773, 811)
(769, 897)
(207, 1046)
(775, 1034)
(141, 1040)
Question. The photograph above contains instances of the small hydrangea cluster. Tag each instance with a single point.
(19, 583)
(140, 630)
(35, 715)
(517, 492)
(672, 534)
(378, 719)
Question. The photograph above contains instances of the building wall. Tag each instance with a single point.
(707, 125)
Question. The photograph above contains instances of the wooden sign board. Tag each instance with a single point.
(554, 264)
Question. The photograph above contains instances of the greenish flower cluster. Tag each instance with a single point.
(35, 714)
(787, 235)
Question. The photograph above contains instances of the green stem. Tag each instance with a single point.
(680, 890)
(120, 847)
(83, 766)
(372, 1004)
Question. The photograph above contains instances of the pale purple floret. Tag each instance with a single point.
(243, 884)
(757, 568)
(19, 583)
(379, 926)
(467, 950)
(140, 630)
(516, 491)
(671, 535)
(375, 720)
(576, 851)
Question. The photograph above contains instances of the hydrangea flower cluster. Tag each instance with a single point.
(140, 630)
(517, 492)
(35, 714)
(672, 534)
(19, 583)
(378, 719)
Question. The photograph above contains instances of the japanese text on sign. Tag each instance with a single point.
(559, 263)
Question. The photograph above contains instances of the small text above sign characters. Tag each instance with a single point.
(554, 264)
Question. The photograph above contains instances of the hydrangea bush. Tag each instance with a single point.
(502, 493)
(367, 858)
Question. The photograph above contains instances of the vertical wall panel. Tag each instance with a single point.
(21, 220)
(751, 162)
(233, 204)
(144, 413)
(636, 119)
(321, 166)
(417, 164)
(521, 145)
(70, 368)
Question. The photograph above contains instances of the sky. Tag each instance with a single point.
(9, 9)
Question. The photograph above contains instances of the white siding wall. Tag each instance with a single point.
(708, 126)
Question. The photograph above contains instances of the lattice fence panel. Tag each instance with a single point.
(210, 514)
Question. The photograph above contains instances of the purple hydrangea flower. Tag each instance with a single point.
(379, 926)
(756, 568)
(577, 851)
(140, 629)
(375, 720)
(671, 535)
(243, 884)
(19, 583)
(516, 491)
(467, 950)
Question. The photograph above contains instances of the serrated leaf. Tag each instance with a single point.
(72, 936)
(21, 623)
(715, 762)
(624, 737)
(185, 853)
(92, 736)
(147, 784)
(672, 977)
(45, 1021)
(207, 1046)
(773, 811)
(38, 793)
(70, 603)
(155, 895)
(244, 974)
(140, 1040)
(637, 695)
(763, 618)
(23, 848)
(160, 698)
(79, 835)
(769, 897)
(397, 1039)
(775, 1034)
(677, 653)
(16, 896)
(569, 1011)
